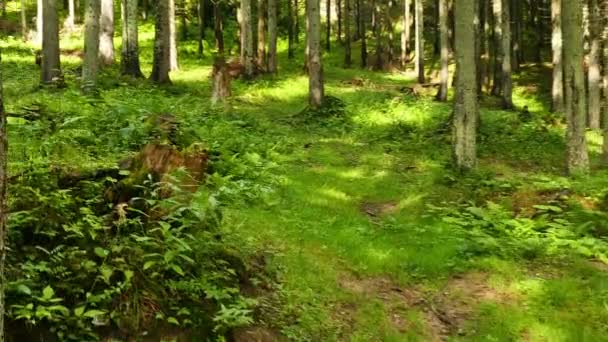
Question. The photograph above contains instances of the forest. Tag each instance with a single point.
(303, 170)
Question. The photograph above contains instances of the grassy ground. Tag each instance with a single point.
(373, 236)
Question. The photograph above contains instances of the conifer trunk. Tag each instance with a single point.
(218, 28)
(106, 33)
(290, 29)
(161, 61)
(347, 39)
(507, 82)
(272, 36)
(201, 28)
(594, 74)
(442, 94)
(3, 208)
(315, 66)
(557, 88)
(70, 21)
(39, 21)
(173, 64)
(51, 67)
(129, 62)
(605, 81)
(405, 34)
(91, 45)
(419, 18)
(24, 31)
(261, 44)
(328, 28)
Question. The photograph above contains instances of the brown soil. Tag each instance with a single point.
(378, 209)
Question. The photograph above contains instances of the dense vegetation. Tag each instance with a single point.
(146, 211)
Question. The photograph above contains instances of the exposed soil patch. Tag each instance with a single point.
(257, 334)
(375, 210)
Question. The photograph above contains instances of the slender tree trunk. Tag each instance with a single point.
(144, 10)
(557, 89)
(3, 207)
(347, 39)
(77, 16)
(442, 95)
(106, 33)
(315, 66)
(465, 104)
(201, 28)
(246, 38)
(297, 21)
(69, 21)
(261, 53)
(24, 31)
(339, 19)
(272, 36)
(435, 27)
(540, 28)
(328, 28)
(161, 63)
(378, 63)
(218, 28)
(363, 35)
(39, 21)
(290, 29)
(357, 20)
(129, 62)
(507, 82)
(484, 47)
(51, 66)
(574, 77)
(405, 35)
(91, 45)
(605, 79)
(498, 48)
(419, 41)
(391, 37)
(594, 57)
(173, 65)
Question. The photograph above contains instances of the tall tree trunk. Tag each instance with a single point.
(144, 10)
(540, 29)
(129, 61)
(516, 14)
(218, 27)
(315, 66)
(605, 107)
(419, 41)
(91, 45)
(378, 62)
(594, 74)
(465, 104)
(201, 28)
(173, 65)
(435, 27)
(405, 35)
(51, 66)
(69, 21)
(77, 16)
(363, 34)
(328, 28)
(484, 47)
(339, 20)
(442, 95)
(507, 82)
(3, 207)
(557, 88)
(262, 13)
(347, 48)
(357, 35)
(290, 29)
(39, 21)
(391, 38)
(161, 63)
(106, 33)
(24, 31)
(272, 36)
(297, 21)
(574, 78)
(498, 48)
(246, 38)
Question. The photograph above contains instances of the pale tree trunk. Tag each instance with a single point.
(485, 34)
(594, 74)
(91, 45)
(221, 81)
(106, 33)
(51, 66)
(405, 34)
(161, 63)
(465, 104)
(420, 41)
(605, 79)
(70, 20)
(315, 66)
(272, 36)
(498, 49)
(262, 13)
(3, 207)
(442, 95)
(574, 78)
(39, 21)
(557, 88)
(347, 39)
(129, 62)
(246, 38)
(201, 27)
(507, 82)
(328, 28)
(24, 33)
(172, 37)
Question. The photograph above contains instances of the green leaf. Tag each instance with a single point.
(106, 273)
(101, 252)
(24, 289)
(48, 292)
(94, 313)
(149, 264)
(79, 311)
(177, 269)
(173, 320)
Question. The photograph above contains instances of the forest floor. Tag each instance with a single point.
(371, 234)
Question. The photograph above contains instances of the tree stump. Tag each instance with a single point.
(221, 80)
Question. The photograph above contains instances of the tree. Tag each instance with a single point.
(347, 39)
(405, 34)
(419, 18)
(315, 66)
(465, 104)
(246, 38)
(574, 79)
(378, 63)
(296, 16)
(70, 20)
(172, 37)
(106, 33)
(91, 45)
(328, 28)
(594, 75)
(557, 88)
(3, 208)
(605, 107)
(507, 82)
(39, 21)
(363, 33)
(24, 35)
(498, 48)
(129, 62)
(272, 36)
(442, 94)
(201, 27)
(290, 29)
(339, 20)
(218, 27)
(161, 60)
(51, 66)
(262, 14)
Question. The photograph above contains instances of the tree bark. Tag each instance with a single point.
(605, 81)
(315, 66)
(347, 39)
(144, 10)
(290, 29)
(540, 29)
(442, 94)
(129, 62)
(161, 63)
(574, 77)
(91, 45)
(218, 28)
(339, 20)
(484, 47)
(70, 21)
(357, 35)
(363, 34)
(201, 28)
(272, 36)
(246, 38)
(498, 48)
(390, 53)
(507, 82)
(557, 88)
(405, 35)
(465, 104)
(24, 31)
(594, 74)
(3, 208)
(328, 28)
(39, 21)
(378, 61)
(261, 53)
(297, 21)
(51, 66)
(173, 64)
(419, 41)
(106, 33)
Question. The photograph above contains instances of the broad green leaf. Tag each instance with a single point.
(48, 292)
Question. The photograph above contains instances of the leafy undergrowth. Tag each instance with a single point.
(342, 224)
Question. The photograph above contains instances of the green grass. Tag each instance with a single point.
(388, 151)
